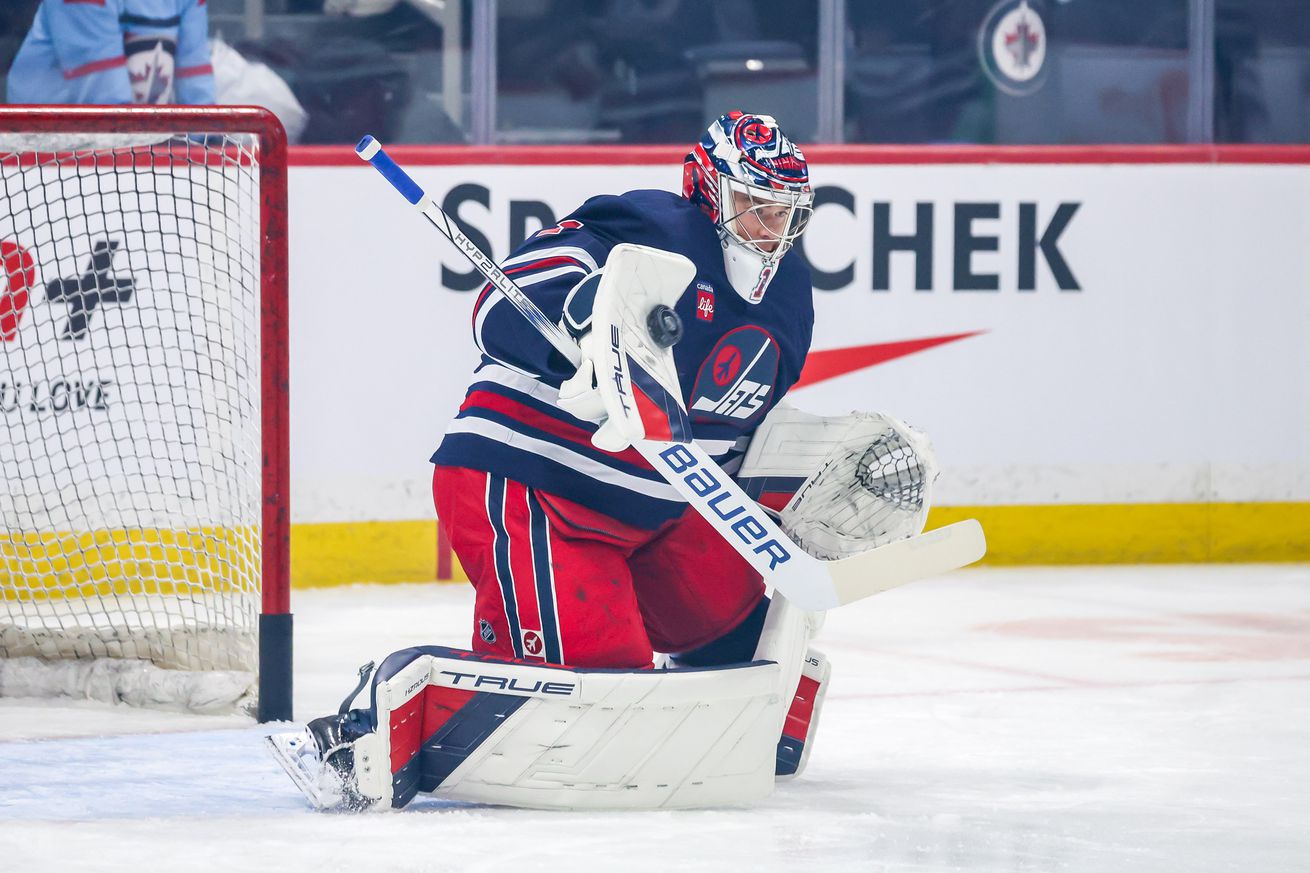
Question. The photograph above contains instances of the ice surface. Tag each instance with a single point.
(1094, 719)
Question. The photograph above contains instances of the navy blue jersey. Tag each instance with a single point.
(736, 360)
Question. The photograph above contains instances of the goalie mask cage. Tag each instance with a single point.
(143, 399)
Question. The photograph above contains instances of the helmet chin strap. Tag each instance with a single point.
(749, 272)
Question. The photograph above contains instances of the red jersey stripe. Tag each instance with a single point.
(540, 421)
(559, 260)
(95, 66)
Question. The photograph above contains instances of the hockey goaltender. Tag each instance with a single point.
(610, 486)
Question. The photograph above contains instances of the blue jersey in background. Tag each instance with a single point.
(115, 51)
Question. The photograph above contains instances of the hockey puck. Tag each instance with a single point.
(664, 325)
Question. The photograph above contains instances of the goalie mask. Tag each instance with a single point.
(754, 185)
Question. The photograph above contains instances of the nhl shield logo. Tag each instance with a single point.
(1012, 46)
(486, 631)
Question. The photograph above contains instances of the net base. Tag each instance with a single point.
(143, 434)
(134, 683)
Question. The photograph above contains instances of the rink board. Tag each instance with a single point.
(1158, 411)
(1110, 347)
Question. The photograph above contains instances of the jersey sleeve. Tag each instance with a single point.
(552, 268)
(195, 73)
(793, 360)
(88, 47)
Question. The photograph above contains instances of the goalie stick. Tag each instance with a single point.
(810, 583)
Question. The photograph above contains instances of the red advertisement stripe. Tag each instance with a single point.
(827, 155)
(831, 363)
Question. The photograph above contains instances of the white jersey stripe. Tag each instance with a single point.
(524, 383)
(494, 297)
(578, 254)
(562, 455)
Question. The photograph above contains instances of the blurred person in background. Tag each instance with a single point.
(115, 51)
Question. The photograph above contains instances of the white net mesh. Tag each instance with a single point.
(130, 445)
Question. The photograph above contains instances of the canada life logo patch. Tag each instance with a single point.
(735, 380)
(704, 301)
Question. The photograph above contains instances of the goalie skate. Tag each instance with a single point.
(298, 755)
(329, 785)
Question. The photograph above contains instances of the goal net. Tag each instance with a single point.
(143, 541)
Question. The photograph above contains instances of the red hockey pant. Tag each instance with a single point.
(568, 585)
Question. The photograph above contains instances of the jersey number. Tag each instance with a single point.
(566, 224)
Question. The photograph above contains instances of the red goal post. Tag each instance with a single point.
(143, 402)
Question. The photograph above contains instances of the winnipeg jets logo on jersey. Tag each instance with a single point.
(737, 377)
(151, 63)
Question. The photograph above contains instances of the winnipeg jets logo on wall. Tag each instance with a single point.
(735, 380)
(1012, 46)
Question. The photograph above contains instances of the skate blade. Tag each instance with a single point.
(298, 756)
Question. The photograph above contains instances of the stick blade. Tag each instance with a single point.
(936, 551)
